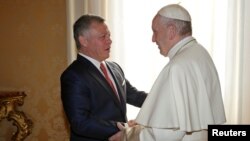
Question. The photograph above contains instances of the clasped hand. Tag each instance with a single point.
(118, 135)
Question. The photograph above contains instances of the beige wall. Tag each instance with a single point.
(32, 57)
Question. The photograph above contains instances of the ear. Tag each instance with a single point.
(172, 32)
(83, 41)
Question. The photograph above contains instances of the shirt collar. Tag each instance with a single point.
(173, 51)
(92, 60)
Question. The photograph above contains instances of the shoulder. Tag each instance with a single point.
(75, 68)
(113, 65)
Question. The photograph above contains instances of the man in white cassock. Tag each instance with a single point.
(186, 97)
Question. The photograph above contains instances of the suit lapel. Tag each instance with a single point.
(119, 84)
(96, 74)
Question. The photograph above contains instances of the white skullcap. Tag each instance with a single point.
(175, 11)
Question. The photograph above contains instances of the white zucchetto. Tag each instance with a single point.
(175, 11)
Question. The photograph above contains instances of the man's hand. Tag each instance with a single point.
(116, 137)
(120, 125)
(132, 123)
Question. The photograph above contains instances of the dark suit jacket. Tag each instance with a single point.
(90, 105)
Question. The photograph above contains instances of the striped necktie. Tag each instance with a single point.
(104, 70)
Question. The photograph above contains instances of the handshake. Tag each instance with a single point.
(126, 129)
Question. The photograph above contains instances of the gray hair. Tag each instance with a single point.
(82, 26)
(183, 27)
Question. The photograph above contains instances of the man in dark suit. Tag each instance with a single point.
(95, 101)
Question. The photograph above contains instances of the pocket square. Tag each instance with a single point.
(123, 83)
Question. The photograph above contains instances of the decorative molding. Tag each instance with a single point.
(8, 103)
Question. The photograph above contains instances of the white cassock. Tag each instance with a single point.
(186, 96)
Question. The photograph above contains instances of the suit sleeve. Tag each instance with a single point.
(76, 103)
(133, 96)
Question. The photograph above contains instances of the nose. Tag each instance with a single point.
(109, 40)
(153, 38)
